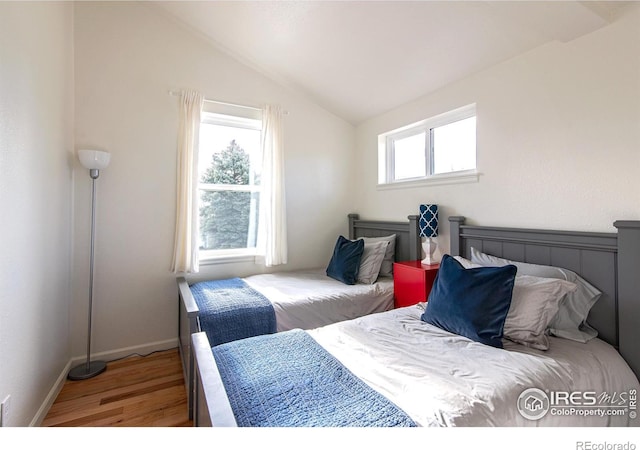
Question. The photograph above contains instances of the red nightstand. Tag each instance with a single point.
(412, 282)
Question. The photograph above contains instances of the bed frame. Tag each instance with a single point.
(609, 261)
(407, 248)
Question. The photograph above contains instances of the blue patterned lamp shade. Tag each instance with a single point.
(428, 221)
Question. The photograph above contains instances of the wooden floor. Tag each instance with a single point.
(133, 392)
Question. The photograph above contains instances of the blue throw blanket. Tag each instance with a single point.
(288, 380)
(230, 310)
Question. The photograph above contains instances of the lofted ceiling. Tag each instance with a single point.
(359, 59)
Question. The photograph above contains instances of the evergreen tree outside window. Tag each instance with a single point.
(229, 166)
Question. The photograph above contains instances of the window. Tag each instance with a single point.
(442, 148)
(229, 168)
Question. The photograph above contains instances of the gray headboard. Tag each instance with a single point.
(408, 245)
(609, 261)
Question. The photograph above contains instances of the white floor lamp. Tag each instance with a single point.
(94, 160)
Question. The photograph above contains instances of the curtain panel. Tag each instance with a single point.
(272, 228)
(185, 250)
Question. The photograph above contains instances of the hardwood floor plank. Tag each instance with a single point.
(133, 392)
(144, 402)
(120, 376)
(88, 419)
(140, 391)
(62, 406)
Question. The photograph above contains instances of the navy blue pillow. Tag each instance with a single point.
(471, 302)
(345, 262)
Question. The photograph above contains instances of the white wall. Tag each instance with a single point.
(558, 139)
(36, 145)
(128, 55)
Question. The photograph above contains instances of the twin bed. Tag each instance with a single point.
(303, 299)
(394, 369)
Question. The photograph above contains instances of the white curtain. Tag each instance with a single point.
(272, 225)
(185, 250)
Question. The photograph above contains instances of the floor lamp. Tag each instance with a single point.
(94, 160)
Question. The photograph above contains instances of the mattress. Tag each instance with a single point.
(442, 379)
(309, 298)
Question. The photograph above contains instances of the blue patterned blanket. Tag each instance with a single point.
(230, 310)
(288, 380)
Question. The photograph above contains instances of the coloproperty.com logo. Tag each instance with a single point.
(534, 403)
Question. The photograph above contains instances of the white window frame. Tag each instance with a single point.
(386, 152)
(238, 117)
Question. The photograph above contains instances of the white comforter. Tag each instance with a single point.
(310, 299)
(441, 379)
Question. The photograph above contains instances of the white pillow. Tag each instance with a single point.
(466, 263)
(570, 322)
(371, 261)
(534, 303)
(386, 269)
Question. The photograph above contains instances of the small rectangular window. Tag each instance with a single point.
(433, 149)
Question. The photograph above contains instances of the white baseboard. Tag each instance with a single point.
(111, 355)
(142, 350)
(51, 397)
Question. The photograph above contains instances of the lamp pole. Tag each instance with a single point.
(94, 164)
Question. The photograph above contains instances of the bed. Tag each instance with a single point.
(416, 374)
(297, 299)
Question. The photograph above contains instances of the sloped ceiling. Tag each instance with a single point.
(359, 59)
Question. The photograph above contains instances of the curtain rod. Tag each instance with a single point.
(177, 94)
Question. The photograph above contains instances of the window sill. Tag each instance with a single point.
(225, 258)
(465, 176)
